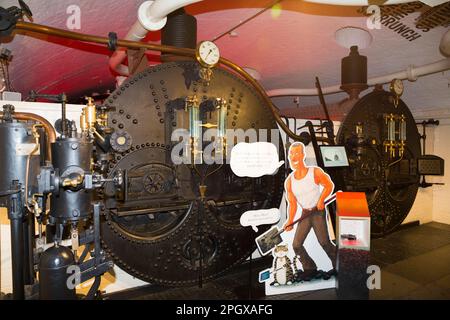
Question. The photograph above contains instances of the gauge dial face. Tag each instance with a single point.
(208, 54)
(397, 87)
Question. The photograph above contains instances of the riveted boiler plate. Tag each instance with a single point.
(154, 227)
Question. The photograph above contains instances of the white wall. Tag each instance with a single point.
(441, 194)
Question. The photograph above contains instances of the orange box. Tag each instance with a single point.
(353, 218)
(352, 204)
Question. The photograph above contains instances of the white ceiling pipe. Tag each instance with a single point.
(357, 2)
(302, 92)
(152, 16)
(445, 44)
(412, 73)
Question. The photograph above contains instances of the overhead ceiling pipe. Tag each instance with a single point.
(444, 47)
(152, 16)
(412, 73)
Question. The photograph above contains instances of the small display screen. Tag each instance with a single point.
(334, 156)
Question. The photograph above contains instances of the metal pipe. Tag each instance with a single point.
(31, 232)
(49, 130)
(444, 46)
(412, 73)
(17, 258)
(157, 11)
(26, 26)
(26, 250)
(152, 16)
(27, 172)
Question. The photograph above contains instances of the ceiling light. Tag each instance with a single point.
(348, 37)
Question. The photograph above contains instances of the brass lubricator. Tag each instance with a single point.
(88, 120)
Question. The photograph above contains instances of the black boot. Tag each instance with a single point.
(332, 272)
(323, 275)
(306, 275)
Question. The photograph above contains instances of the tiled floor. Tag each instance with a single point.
(415, 264)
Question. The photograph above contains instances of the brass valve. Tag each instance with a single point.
(202, 189)
(206, 75)
(191, 102)
(72, 183)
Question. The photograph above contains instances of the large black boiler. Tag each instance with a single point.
(155, 228)
(383, 145)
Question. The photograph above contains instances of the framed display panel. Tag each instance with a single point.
(334, 156)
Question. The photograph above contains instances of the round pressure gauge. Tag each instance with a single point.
(397, 87)
(208, 54)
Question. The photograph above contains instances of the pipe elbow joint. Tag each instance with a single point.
(412, 74)
(148, 22)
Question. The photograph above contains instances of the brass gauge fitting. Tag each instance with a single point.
(402, 135)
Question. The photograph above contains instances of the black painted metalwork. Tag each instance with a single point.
(151, 228)
(72, 158)
(390, 183)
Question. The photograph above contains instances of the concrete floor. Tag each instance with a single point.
(414, 262)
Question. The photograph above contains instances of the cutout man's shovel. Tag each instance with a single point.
(272, 238)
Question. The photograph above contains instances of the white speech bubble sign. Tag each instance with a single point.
(256, 218)
(254, 160)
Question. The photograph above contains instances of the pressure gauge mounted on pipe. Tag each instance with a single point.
(397, 88)
(208, 55)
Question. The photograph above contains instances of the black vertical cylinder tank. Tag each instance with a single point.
(354, 68)
(16, 143)
(180, 31)
(54, 282)
(71, 156)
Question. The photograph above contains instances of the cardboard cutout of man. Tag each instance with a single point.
(303, 189)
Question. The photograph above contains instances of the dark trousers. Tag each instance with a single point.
(317, 221)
